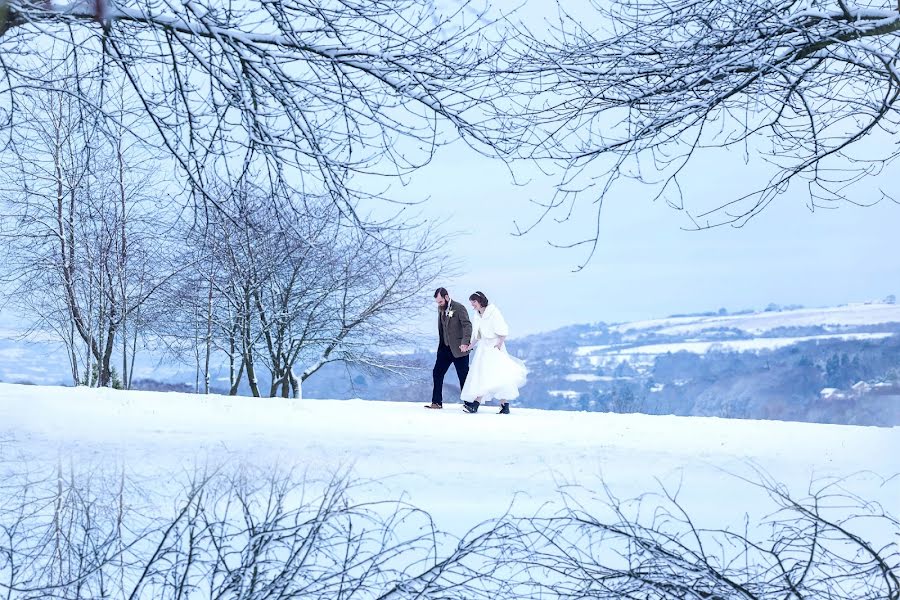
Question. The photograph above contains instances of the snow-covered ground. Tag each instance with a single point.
(461, 468)
(590, 377)
(851, 315)
(702, 347)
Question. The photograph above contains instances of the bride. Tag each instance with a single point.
(493, 372)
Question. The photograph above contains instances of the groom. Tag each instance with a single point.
(454, 335)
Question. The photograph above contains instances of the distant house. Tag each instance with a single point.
(860, 387)
(831, 394)
(568, 394)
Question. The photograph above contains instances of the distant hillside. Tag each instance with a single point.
(831, 365)
(799, 364)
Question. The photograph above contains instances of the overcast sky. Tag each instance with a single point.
(646, 265)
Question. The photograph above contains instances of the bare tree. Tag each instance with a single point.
(652, 548)
(81, 234)
(650, 90)
(375, 287)
(254, 533)
(313, 92)
(292, 290)
(242, 534)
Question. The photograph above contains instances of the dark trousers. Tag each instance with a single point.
(442, 365)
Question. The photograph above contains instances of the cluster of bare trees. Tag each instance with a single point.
(261, 535)
(79, 231)
(819, 546)
(96, 252)
(314, 92)
(246, 534)
(265, 129)
(292, 289)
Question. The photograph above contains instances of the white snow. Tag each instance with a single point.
(589, 377)
(586, 350)
(7, 354)
(702, 347)
(757, 323)
(461, 468)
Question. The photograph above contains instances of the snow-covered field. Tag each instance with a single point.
(461, 468)
(702, 347)
(851, 315)
(642, 341)
(588, 377)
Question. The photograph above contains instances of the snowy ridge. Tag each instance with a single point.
(702, 347)
(852, 315)
(750, 332)
(774, 364)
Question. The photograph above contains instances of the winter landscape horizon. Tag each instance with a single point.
(830, 364)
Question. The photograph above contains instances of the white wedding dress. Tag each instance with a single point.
(493, 372)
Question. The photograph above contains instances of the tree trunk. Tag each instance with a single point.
(209, 320)
(248, 362)
(234, 379)
(106, 362)
(125, 383)
(251, 374)
(134, 340)
(296, 386)
(122, 257)
(277, 378)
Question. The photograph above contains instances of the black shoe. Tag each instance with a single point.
(471, 407)
(504, 409)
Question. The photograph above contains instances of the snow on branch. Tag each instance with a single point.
(660, 87)
(314, 91)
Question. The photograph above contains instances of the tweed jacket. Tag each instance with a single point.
(454, 327)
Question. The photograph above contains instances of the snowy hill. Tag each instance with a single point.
(203, 477)
(747, 332)
(838, 319)
(461, 468)
(774, 364)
